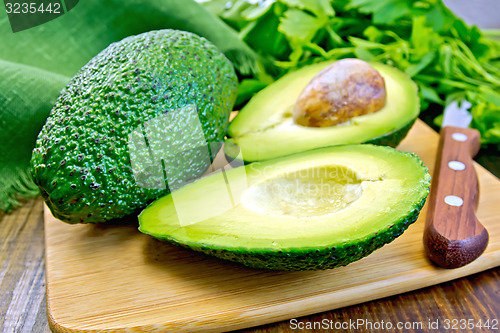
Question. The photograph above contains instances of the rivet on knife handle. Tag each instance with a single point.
(453, 235)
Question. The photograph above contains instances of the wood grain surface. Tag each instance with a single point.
(22, 275)
(22, 307)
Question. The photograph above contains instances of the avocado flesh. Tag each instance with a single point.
(313, 210)
(146, 114)
(265, 129)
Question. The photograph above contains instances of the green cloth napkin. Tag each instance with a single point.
(36, 64)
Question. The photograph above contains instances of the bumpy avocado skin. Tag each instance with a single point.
(81, 161)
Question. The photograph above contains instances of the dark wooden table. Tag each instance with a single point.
(475, 298)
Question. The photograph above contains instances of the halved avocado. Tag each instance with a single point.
(314, 210)
(265, 128)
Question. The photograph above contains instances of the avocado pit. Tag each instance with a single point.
(348, 88)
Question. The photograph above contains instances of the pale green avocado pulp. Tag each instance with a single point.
(314, 210)
(265, 129)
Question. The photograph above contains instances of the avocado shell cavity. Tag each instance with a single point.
(347, 88)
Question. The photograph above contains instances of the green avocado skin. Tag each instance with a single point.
(82, 163)
(320, 258)
(393, 139)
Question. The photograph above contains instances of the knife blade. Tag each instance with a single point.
(453, 236)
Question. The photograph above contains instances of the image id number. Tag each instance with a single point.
(462, 324)
(32, 8)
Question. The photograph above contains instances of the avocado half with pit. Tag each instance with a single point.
(265, 127)
(314, 210)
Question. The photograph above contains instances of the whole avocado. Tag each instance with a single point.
(146, 89)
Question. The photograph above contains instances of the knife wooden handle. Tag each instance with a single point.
(453, 235)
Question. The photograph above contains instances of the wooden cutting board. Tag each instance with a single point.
(115, 279)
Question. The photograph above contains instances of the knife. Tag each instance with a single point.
(453, 236)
